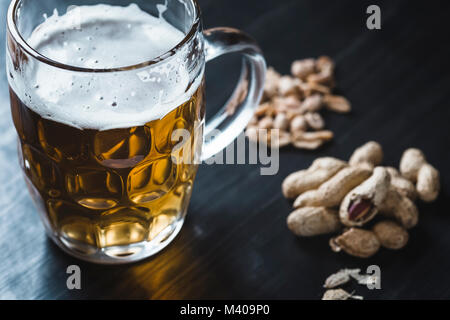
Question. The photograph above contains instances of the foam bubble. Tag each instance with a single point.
(103, 37)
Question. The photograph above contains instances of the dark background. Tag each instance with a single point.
(235, 243)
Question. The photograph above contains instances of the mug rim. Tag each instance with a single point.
(17, 37)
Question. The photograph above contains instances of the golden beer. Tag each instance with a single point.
(111, 188)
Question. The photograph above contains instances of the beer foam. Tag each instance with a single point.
(105, 37)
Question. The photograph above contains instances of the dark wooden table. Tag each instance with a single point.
(235, 243)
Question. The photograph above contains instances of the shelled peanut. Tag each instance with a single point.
(335, 196)
(291, 104)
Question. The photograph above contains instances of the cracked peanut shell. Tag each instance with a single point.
(361, 204)
(356, 242)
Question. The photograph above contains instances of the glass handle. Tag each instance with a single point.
(232, 119)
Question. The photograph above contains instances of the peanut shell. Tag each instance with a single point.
(356, 242)
(312, 221)
(391, 235)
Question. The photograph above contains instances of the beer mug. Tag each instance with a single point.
(99, 94)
